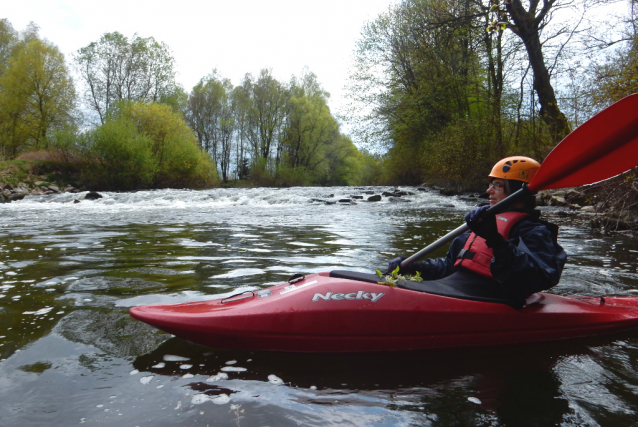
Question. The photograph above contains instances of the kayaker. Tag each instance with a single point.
(514, 252)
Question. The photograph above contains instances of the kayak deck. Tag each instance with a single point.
(328, 314)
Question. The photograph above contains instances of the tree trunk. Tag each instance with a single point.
(526, 26)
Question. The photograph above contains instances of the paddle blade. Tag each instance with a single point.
(604, 146)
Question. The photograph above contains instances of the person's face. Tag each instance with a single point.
(496, 191)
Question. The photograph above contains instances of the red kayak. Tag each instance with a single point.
(345, 311)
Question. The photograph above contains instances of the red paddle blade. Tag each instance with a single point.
(604, 146)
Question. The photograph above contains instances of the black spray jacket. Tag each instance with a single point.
(533, 261)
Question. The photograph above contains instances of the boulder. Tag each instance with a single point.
(448, 192)
(391, 194)
(92, 195)
(15, 197)
(22, 189)
(375, 198)
(557, 201)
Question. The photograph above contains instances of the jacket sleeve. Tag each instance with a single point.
(438, 268)
(531, 261)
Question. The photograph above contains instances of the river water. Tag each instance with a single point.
(71, 354)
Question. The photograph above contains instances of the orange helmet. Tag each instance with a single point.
(518, 168)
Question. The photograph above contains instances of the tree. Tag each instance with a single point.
(202, 114)
(527, 24)
(115, 68)
(120, 157)
(153, 138)
(279, 134)
(418, 71)
(617, 75)
(311, 133)
(37, 96)
(345, 165)
(241, 105)
(210, 114)
(179, 160)
(8, 40)
(266, 114)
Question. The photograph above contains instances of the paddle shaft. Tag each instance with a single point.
(496, 209)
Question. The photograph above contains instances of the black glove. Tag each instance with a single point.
(484, 227)
(394, 264)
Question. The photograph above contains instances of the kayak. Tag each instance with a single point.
(342, 311)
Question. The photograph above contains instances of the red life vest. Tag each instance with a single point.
(475, 255)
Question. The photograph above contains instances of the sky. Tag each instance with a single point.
(233, 36)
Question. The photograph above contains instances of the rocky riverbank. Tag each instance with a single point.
(9, 193)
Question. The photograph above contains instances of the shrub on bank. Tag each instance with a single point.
(144, 146)
(117, 157)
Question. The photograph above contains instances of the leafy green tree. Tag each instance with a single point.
(149, 138)
(37, 96)
(241, 107)
(527, 24)
(267, 113)
(210, 114)
(117, 157)
(115, 68)
(180, 162)
(345, 164)
(8, 40)
(281, 135)
(311, 132)
(418, 70)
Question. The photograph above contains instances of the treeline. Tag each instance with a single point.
(274, 133)
(130, 125)
(451, 86)
(441, 90)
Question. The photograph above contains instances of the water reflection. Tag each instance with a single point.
(526, 386)
(71, 353)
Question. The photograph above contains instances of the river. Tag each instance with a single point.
(70, 353)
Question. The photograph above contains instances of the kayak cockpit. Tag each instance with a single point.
(461, 284)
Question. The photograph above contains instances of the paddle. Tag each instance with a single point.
(604, 146)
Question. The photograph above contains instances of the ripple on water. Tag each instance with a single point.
(220, 232)
(116, 285)
(156, 271)
(240, 272)
(115, 333)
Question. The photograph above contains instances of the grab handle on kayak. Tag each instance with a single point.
(246, 294)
